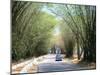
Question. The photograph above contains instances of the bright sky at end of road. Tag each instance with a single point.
(56, 31)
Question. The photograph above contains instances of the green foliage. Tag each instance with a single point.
(81, 19)
(69, 39)
(31, 30)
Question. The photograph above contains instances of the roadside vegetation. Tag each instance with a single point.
(33, 26)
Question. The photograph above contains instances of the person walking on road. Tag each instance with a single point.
(58, 54)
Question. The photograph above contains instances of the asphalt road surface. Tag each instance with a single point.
(49, 64)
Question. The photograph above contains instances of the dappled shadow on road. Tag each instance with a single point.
(48, 64)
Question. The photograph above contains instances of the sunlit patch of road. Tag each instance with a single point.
(47, 63)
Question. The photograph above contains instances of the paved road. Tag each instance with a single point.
(47, 63)
(50, 65)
